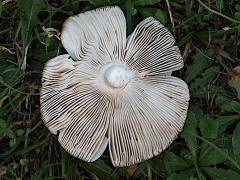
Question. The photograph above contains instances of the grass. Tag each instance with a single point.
(208, 34)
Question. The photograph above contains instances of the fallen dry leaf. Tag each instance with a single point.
(235, 75)
(131, 170)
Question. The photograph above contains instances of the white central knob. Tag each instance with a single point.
(117, 76)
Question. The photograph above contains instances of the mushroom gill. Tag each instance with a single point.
(108, 91)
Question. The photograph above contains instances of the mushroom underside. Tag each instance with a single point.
(138, 123)
(111, 91)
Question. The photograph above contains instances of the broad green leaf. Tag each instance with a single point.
(208, 127)
(178, 177)
(174, 162)
(217, 148)
(205, 78)
(188, 174)
(200, 62)
(187, 133)
(205, 92)
(237, 15)
(19, 132)
(227, 104)
(225, 121)
(142, 168)
(220, 5)
(5, 132)
(2, 124)
(197, 112)
(154, 12)
(236, 143)
(101, 169)
(68, 165)
(12, 142)
(210, 156)
(24, 162)
(158, 165)
(237, 7)
(222, 174)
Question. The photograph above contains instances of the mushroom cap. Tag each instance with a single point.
(108, 91)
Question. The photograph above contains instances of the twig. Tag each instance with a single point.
(217, 13)
(170, 14)
(24, 62)
(25, 123)
(186, 49)
(50, 32)
(2, 48)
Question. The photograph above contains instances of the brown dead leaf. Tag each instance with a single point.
(131, 170)
(235, 75)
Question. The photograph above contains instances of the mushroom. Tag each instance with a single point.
(110, 91)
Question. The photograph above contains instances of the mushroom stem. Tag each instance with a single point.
(114, 76)
(117, 76)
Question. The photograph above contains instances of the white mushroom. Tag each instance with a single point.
(109, 92)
